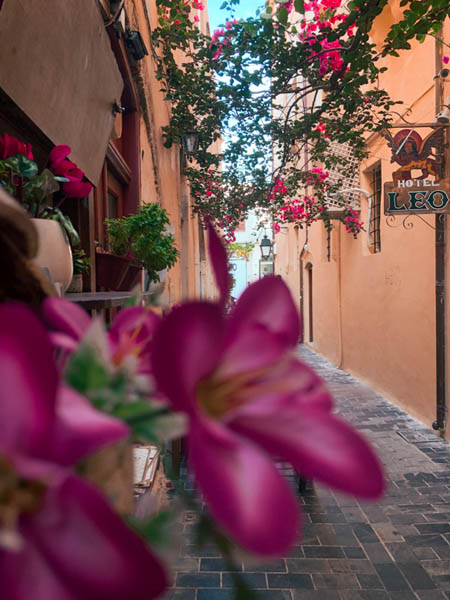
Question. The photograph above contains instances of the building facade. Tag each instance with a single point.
(70, 74)
(369, 304)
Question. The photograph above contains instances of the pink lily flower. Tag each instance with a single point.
(248, 398)
(129, 336)
(59, 538)
(59, 164)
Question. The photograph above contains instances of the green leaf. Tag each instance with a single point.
(132, 301)
(135, 411)
(85, 373)
(9, 187)
(283, 16)
(299, 6)
(41, 186)
(21, 165)
(56, 215)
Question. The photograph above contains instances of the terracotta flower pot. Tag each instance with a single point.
(54, 252)
(111, 270)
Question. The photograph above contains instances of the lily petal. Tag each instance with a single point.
(189, 343)
(265, 306)
(135, 320)
(81, 429)
(219, 261)
(291, 385)
(63, 342)
(268, 303)
(319, 445)
(65, 317)
(252, 349)
(243, 489)
(28, 379)
(26, 574)
(90, 549)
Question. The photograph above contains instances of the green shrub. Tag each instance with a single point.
(143, 237)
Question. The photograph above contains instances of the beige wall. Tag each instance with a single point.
(75, 106)
(374, 314)
(70, 89)
(161, 176)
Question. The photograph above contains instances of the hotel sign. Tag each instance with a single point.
(416, 196)
(418, 186)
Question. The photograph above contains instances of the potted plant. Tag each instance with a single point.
(37, 191)
(81, 265)
(143, 240)
(111, 269)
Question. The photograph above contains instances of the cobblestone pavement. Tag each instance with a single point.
(395, 549)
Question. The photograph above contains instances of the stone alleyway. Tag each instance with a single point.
(396, 549)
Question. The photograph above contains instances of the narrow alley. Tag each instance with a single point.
(188, 188)
(395, 549)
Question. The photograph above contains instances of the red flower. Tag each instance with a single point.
(11, 146)
(60, 165)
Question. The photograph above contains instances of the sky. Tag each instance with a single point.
(245, 9)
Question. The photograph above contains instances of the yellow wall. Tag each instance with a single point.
(161, 177)
(374, 314)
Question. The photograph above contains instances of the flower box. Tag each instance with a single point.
(132, 278)
(111, 270)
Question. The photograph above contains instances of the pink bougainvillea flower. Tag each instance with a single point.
(11, 146)
(249, 398)
(445, 60)
(58, 537)
(60, 165)
(129, 336)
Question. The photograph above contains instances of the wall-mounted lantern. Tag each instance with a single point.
(265, 247)
(135, 44)
(190, 141)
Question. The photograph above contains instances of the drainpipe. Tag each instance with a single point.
(304, 250)
(440, 250)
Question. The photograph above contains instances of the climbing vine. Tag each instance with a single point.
(285, 90)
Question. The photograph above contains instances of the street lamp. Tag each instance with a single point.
(190, 141)
(135, 44)
(265, 247)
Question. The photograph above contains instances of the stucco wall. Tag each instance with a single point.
(161, 175)
(374, 314)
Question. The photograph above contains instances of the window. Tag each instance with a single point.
(113, 201)
(375, 213)
(110, 193)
